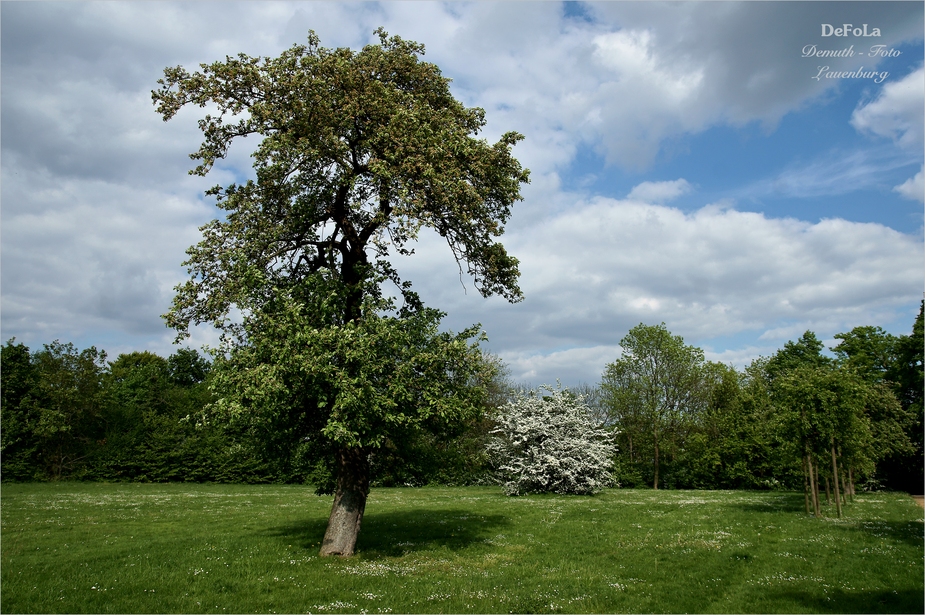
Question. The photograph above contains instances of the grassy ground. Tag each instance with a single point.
(233, 548)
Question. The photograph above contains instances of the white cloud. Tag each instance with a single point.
(659, 192)
(631, 54)
(717, 270)
(898, 113)
(640, 75)
(740, 357)
(91, 259)
(685, 67)
(591, 273)
(914, 187)
(98, 209)
(571, 366)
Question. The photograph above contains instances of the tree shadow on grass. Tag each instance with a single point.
(392, 534)
(305, 534)
(870, 601)
(905, 532)
(774, 503)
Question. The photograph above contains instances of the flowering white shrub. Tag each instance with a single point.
(551, 444)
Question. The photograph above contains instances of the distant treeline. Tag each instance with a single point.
(799, 419)
(74, 415)
(70, 414)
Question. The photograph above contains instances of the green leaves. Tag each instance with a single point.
(824, 401)
(658, 376)
(354, 384)
(358, 150)
(654, 388)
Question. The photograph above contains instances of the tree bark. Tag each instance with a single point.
(851, 482)
(818, 499)
(349, 503)
(813, 487)
(844, 486)
(817, 502)
(805, 484)
(655, 483)
(835, 474)
(828, 499)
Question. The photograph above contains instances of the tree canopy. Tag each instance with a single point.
(653, 386)
(359, 150)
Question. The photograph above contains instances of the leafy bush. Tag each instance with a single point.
(549, 443)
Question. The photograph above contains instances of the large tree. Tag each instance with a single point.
(19, 445)
(62, 407)
(654, 388)
(359, 150)
(891, 364)
(909, 379)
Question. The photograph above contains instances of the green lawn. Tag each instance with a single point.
(78, 547)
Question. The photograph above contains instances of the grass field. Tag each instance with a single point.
(77, 547)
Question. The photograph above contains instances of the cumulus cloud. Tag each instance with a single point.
(572, 366)
(703, 64)
(85, 253)
(593, 272)
(717, 270)
(636, 75)
(98, 209)
(659, 192)
(914, 187)
(898, 112)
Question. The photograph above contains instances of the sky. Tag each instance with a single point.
(724, 168)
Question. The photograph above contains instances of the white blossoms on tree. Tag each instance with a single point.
(549, 443)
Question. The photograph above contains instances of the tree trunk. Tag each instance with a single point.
(805, 484)
(835, 474)
(655, 482)
(828, 499)
(818, 499)
(844, 486)
(813, 487)
(349, 503)
(816, 492)
(851, 482)
(844, 480)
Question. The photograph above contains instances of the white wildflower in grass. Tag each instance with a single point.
(549, 443)
(333, 606)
